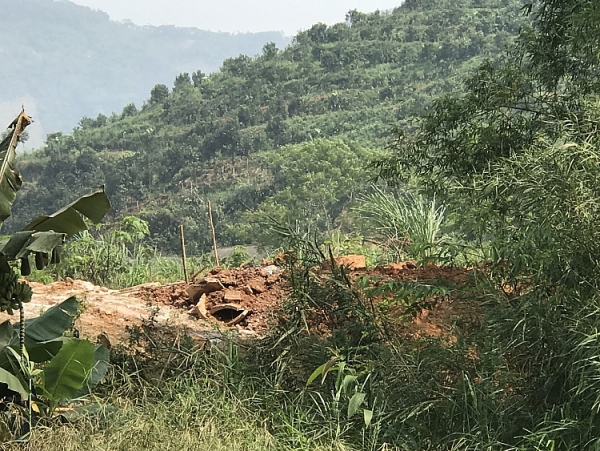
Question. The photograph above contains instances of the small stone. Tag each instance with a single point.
(257, 288)
(268, 270)
(232, 296)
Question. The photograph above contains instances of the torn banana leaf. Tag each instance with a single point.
(69, 220)
(22, 243)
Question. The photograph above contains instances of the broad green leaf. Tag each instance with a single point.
(68, 220)
(10, 179)
(51, 324)
(340, 376)
(329, 366)
(322, 370)
(101, 358)
(6, 333)
(42, 352)
(316, 373)
(21, 243)
(101, 361)
(368, 416)
(13, 383)
(15, 366)
(38, 352)
(355, 403)
(44, 241)
(66, 373)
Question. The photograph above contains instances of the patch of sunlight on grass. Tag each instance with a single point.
(187, 422)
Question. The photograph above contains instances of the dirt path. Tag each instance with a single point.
(108, 311)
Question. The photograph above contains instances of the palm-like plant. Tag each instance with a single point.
(410, 223)
(71, 365)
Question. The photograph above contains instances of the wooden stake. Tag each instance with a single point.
(214, 238)
(198, 272)
(183, 255)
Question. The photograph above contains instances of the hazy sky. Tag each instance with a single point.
(236, 15)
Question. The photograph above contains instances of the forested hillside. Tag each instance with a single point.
(67, 60)
(468, 320)
(285, 135)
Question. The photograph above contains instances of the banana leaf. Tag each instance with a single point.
(68, 371)
(42, 352)
(50, 325)
(22, 243)
(69, 220)
(10, 178)
(38, 352)
(6, 334)
(101, 361)
(13, 383)
(43, 334)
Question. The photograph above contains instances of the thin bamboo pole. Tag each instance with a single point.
(214, 238)
(183, 254)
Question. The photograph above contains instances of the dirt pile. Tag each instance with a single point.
(103, 311)
(440, 319)
(409, 271)
(244, 297)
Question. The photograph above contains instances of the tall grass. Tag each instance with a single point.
(410, 223)
(175, 396)
(105, 262)
(524, 378)
(193, 420)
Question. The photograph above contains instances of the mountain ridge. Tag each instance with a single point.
(69, 61)
(287, 134)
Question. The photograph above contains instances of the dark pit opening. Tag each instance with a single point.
(227, 314)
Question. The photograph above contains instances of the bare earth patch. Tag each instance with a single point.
(104, 311)
(256, 290)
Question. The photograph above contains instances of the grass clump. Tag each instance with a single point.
(168, 393)
(193, 419)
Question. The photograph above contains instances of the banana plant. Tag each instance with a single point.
(42, 236)
(53, 367)
(36, 359)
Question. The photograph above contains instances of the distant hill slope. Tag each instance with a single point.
(286, 134)
(65, 61)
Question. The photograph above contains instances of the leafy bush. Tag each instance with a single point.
(238, 257)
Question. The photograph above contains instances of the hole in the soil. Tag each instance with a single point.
(227, 314)
(230, 314)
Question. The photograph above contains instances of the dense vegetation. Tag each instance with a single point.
(234, 137)
(503, 174)
(516, 156)
(68, 60)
